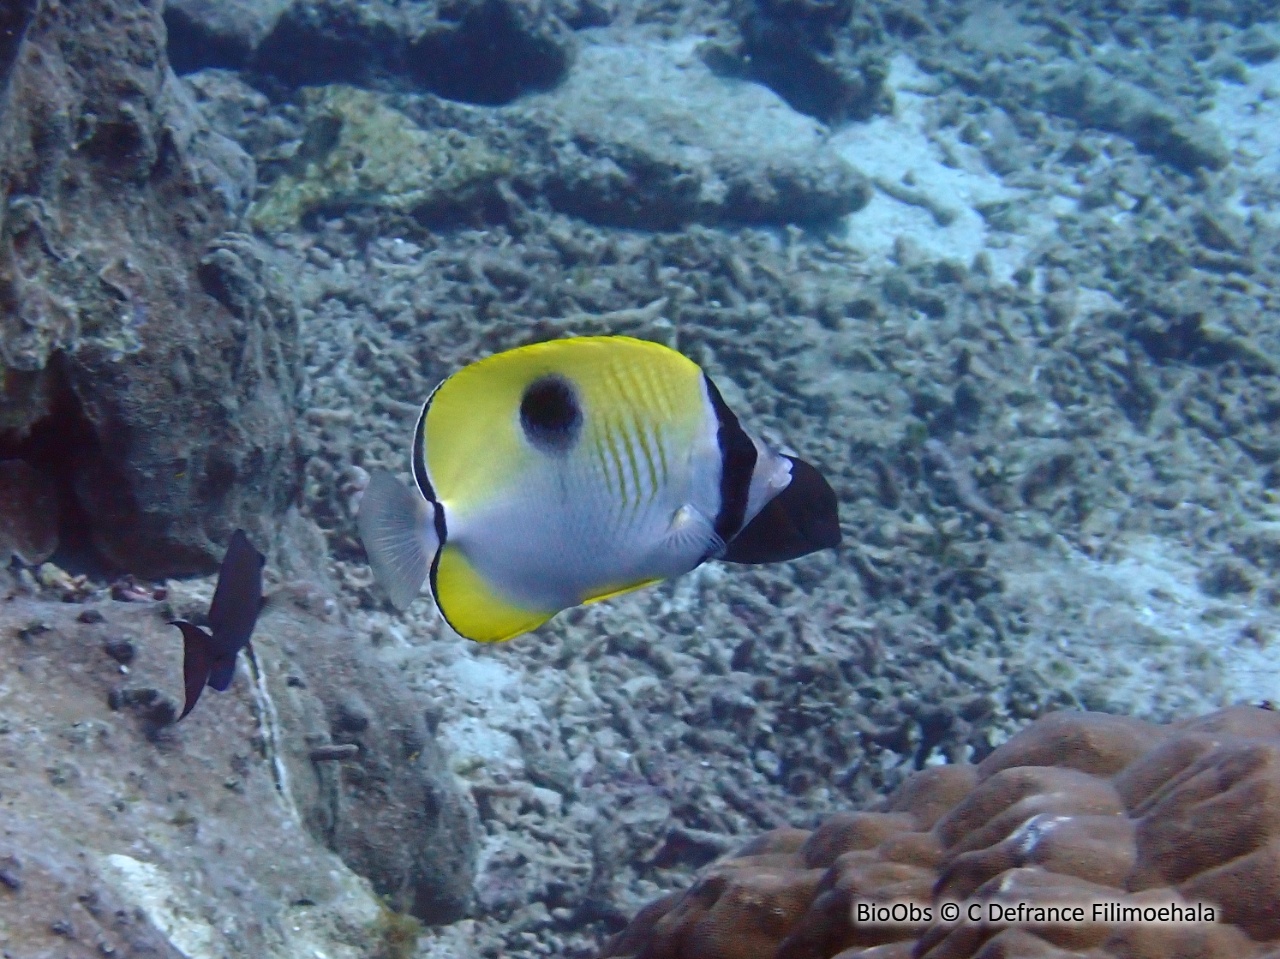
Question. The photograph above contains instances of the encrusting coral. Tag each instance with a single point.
(1077, 809)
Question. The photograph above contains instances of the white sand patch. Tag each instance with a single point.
(490, 701)
(1145, 631)
(165, 904)
(1248, 118)
(903, 150)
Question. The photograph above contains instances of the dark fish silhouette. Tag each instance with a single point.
(209, 658)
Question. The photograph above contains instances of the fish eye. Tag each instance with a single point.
(550, 414)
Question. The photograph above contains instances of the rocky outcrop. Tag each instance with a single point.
(218, 33)
(388, 805)
(361, 154)
(646, 136)
(821, 56)
(148, 341)
(127, 835)
(478, 51)
(244, 829)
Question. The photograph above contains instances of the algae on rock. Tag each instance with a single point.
(359, 152)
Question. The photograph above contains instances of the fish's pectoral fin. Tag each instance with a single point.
(691, 534)
(800, 520)
(397, 527)
(197, 662)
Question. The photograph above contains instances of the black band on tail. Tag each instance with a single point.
(802, 519)
(737, 463)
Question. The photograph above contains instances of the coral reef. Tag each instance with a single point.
(1078, 808)
(1039, 363)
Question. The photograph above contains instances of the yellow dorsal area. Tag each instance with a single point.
(473, 608)
(475, 446)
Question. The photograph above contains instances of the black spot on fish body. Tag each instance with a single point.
(551, 415)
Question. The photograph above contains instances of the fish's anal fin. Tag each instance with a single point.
(612, 591)
(397, 527)
(473, 608)
(221, 672)
(197, 662)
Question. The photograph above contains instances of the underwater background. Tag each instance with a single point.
(1009, 273)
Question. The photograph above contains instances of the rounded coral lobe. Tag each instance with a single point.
(1079, 809)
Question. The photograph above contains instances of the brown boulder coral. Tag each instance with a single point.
(1077, 809)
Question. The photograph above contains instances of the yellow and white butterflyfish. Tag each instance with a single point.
(574, 470)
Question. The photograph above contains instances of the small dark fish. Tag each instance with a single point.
(209, 658)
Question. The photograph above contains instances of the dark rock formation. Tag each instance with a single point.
(818, 55)
(157, 350)
(14, 18)
(218, 33)
(478, 51)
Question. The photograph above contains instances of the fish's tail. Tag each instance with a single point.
(197, 662)
(397, 527)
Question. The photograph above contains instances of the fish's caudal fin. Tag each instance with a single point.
(197, 662)
(800, 520)
(397, 527)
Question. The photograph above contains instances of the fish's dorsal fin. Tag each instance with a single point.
(397, 527)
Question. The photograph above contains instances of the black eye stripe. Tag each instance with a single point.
(550, 414)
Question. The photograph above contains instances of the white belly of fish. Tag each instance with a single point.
(571, 532)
